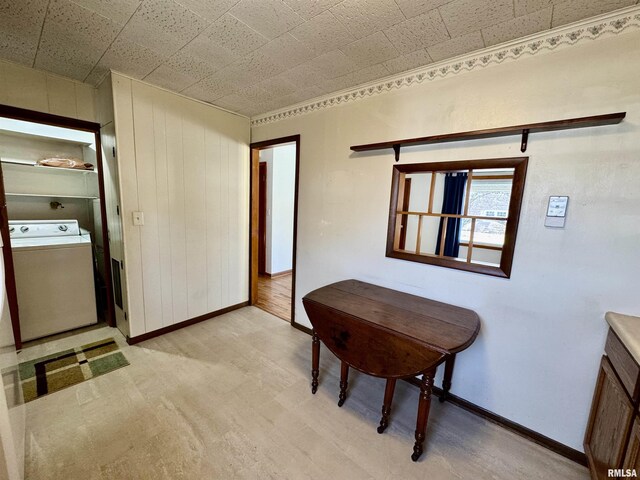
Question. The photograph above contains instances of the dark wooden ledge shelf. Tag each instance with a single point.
(524, 130)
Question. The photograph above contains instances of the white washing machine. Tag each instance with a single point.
(54, 276)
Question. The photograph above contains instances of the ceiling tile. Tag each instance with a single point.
(233, 102)
(518, 27)
(57, 57)
(20, 26)
(573, 10)
(523, 7)
(269, 17)
(119, 11)
(191, 65)
(210, 88)
(209, 9)
(456, 46)
(278, 86)
(305, 75)
(333, 64)
(411, 8)
(170, 78)
(323, 33)
(70, 24)
(408, 62)
(230, 33)
(73, 39)
(364, 75)
(286, 51)
(254, 93)
(130, 58)
(300, 96)
(364, 17)
(209, 52)
(421, 31)
(163, 26)
(18, 48)
(370, 50)
(308, 9)
(256, 67)
(465, 16)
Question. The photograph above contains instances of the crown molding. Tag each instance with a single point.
(594, 28)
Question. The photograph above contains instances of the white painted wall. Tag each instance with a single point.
(281, 176)
(536, 358)
(184, 164)
(32, 89)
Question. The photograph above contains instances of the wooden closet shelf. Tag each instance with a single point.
(524, 130)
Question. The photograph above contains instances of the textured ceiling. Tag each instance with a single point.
(253, 56)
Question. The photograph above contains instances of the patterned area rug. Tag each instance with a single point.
(61, 370)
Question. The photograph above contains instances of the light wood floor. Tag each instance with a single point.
(274, 295)
(229, 398)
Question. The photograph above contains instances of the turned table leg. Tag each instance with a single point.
(446, 381)
(386, 405)
(315, 362)
(344, 382)
(423, 412)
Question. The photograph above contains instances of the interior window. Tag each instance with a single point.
(457, 214)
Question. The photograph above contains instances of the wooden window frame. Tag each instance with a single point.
(519, 165)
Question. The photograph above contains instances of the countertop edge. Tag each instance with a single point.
(627, 328)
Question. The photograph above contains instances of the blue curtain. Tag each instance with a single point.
(453, 203)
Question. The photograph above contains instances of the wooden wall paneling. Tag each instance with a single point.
(24, 88)
(61, 96)
(225, 218)
(146, 170)
(195, 215)
(163, 219)
(238, 221)
(128, 178)
(213, 219)
(85, 102)
(177, 225)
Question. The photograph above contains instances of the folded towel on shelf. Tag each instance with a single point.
(65, 163)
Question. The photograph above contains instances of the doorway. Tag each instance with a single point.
(53, 223)
(274, 212)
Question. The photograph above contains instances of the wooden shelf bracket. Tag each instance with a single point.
(525, 140)
(523, 130)
(396, 149)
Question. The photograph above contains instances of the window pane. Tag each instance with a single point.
(490, 232)
(490, 197)
(417, 187)
(412, 233)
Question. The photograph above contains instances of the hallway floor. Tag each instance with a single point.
(230, 398)
(274, 295)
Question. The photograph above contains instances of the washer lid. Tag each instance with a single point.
(49, 242)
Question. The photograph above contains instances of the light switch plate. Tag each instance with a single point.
(138, 218)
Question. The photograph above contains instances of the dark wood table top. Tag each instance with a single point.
(438, 326)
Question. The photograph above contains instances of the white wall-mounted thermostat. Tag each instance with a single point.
(556, 212)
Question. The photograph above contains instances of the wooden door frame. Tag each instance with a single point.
(262, 217)
(33, 116)
(254, 194)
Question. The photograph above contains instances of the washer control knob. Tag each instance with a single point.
(63, 228)
(12, 229)
(24, 229)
